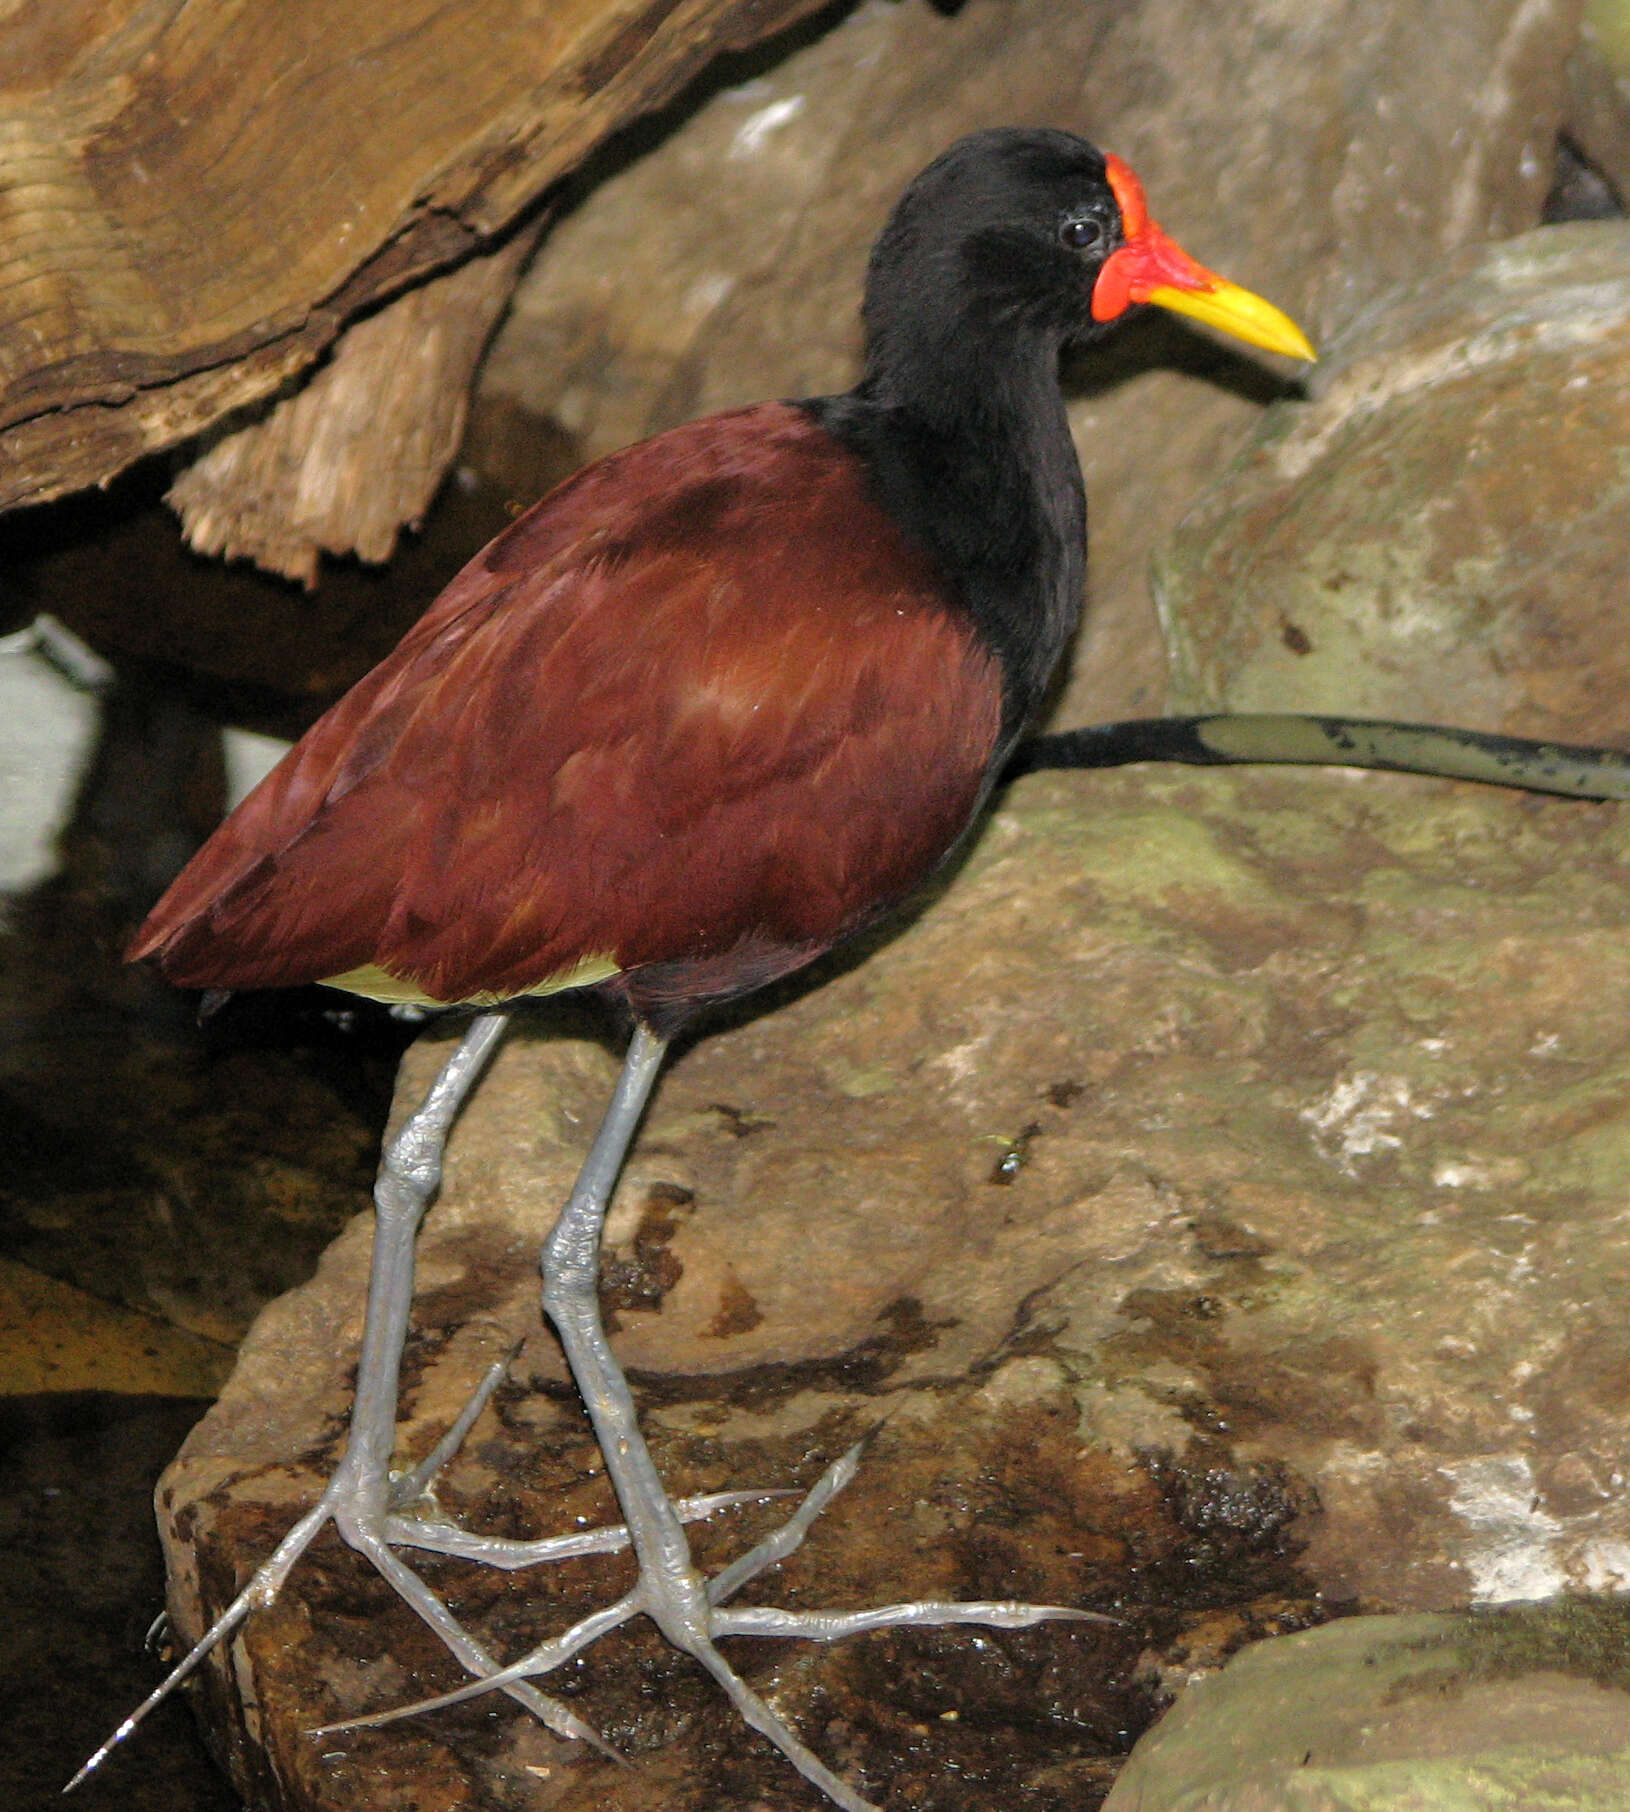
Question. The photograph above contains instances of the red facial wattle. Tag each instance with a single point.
(1147, 259)
(1149, 266)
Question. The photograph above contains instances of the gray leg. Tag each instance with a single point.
(359, 1495)
(670, 1590)
(689, 1610)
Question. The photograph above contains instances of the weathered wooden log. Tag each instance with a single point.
(195, 199)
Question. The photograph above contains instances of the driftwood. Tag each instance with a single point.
(196, 198)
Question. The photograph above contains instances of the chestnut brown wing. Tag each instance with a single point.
(703, 699)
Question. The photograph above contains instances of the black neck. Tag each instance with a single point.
(970, 453)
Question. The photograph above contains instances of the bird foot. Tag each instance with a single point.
(351, 1502)
(694, 1620)
(435, 1535)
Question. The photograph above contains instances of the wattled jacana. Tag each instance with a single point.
(709, 708)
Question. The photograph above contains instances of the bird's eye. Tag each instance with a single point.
(1082, 235)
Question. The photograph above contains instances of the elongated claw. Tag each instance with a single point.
(268, 1581)
(789, 1537)
(549, 1655)
(829, 1626)
(756, 1620)
(408, 1487)
(541, 1660)
(501, 1551)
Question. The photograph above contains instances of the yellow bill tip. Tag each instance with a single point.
(1239, 313)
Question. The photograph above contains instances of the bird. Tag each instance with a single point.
(713, 706)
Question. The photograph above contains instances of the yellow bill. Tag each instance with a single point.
(1150, 266)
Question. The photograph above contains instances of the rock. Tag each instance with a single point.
(1440, 530)
(1225, 1173)
(1598, 98)
(1518, 1708)
(1319, 162)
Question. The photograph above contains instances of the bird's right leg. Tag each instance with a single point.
(361, 1495)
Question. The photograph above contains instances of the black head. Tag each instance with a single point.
(1009, 244)
(1018, 239)
(1003, 234)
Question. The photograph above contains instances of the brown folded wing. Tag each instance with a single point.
(703, 710)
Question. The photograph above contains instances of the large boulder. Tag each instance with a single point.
(1524, 1707)
(1440, 530)
(1213, 1199)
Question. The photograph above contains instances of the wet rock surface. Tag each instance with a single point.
(1523, 1707)
(1222, 1175)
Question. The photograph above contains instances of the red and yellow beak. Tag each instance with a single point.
(1150, 267)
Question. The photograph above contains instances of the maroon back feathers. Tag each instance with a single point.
(703, 710)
